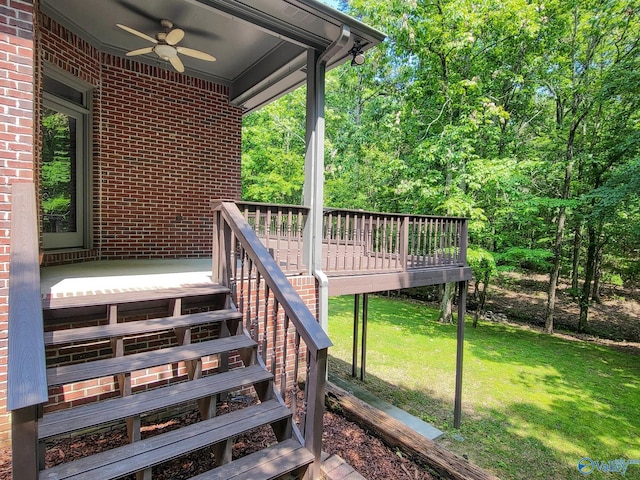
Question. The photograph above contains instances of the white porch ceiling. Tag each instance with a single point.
(260, 45)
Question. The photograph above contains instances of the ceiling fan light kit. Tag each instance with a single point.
(165, 45)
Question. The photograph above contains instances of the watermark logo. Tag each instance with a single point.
(587, 466)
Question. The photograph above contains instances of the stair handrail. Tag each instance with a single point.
(229, 220)
(26, 367)
(310, 330)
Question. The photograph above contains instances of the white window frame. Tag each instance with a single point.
(81, 238)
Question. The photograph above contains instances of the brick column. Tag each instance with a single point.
(16, 147)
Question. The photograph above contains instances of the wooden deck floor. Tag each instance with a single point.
(348, 274)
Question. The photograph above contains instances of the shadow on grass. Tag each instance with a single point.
(513, 442)
(490, 440)
(590, 408)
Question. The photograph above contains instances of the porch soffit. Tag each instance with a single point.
(260, 45)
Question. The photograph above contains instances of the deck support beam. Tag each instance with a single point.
(365, 319)
(363, 351)
(356, 316)
(462, 306)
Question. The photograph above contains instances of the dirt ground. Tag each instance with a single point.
(523, 299)
(364, 452)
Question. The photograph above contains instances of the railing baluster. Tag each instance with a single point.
(283, 373)
(278, 234)
(294, 396)
(274, 346)
(328, 237)
(396, 241)
(357, 257)
(431, 251)
(458, 225)
(378, 242)
(267, 236)
(384, 242)
(256, 320)
(233, 255)
(265, 327)
(289, 232)
(240, 280)
(248, 281)
(300, 228)
(346, 228)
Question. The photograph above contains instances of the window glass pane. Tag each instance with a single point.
(58, 172)
(61, 90)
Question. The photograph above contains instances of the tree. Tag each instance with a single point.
(514, 113)
(484, 269)
(273, 149)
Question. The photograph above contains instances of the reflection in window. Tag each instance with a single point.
(58, 174)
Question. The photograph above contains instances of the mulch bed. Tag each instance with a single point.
(365, 452)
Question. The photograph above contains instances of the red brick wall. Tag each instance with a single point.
(16, 146)
(164, 145)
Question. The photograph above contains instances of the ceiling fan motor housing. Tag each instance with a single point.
(165, 51)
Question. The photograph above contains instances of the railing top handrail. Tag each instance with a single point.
(307, 326)
(391, 214)
(276, 205)
(349, 210)
(26, 367)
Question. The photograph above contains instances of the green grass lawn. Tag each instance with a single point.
(534, 404)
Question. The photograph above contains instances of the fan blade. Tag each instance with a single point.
(137, 33)
(174, 36)
(140, 51)
(177, 63)
(190, 52)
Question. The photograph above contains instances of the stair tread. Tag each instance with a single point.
(265, 464)
(85, 416)
(118, 298)
(139, 361)
(137, 327)
(161, 448)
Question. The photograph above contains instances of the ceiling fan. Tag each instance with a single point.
(166, 45)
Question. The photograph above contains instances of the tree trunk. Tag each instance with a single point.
(557, 258)
(562, 217)
(595, 294)
(446, 306)
(577, 240)
(481, 301)
(589, 270)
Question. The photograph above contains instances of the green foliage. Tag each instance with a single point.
(482, 263)
(273, 148)
(484, 110)
(526, 258)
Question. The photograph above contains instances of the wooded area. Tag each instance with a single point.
(521, 115)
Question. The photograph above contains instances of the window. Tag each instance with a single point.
(65, 168)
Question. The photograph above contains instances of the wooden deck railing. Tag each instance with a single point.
(359, 242)
(276, 317)
(280, 228)
(26, 369)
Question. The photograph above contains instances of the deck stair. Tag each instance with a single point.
(188, 342)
